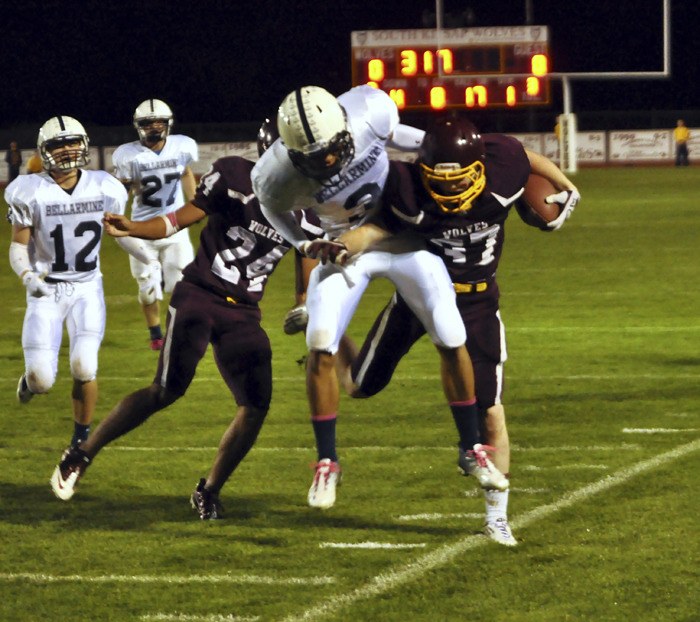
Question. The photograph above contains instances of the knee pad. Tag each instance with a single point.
(83, 359)
(448, 330)
(146, 296)
(40, 378)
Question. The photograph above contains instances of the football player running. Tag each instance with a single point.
(216, 303)
(457, 195)
(56, 218)
(331, 157)
(156, 168)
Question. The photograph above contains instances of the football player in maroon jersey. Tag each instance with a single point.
(216, 303)
(457, 195)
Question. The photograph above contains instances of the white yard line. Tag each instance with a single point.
(436, 516)
(370, 545)
(565, 467)
(658, 430)
(310, 449)
(184, 617)
(448, 553)
(167, 579)
(410, 377)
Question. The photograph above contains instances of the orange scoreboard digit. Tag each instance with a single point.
(430, 69)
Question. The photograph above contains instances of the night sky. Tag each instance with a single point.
(233, 61)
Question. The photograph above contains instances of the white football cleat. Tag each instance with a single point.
(326, 478)
(499, 531)
(476, 462)
(65, 476)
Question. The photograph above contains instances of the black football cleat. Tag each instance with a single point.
(206, 502)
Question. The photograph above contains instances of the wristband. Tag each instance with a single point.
(171, 226)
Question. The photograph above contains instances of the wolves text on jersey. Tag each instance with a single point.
(459, 232)
(80, 207)
(352, 174)
(266, 231)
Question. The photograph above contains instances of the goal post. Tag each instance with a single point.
(567, 142)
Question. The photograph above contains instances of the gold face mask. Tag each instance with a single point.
(449, 175)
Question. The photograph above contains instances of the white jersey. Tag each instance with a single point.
(156, 175)
(67, 228)
(348, 199)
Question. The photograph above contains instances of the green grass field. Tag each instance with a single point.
(603, 403)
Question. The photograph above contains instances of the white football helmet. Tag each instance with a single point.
(56, 132)
(314, 130)
(146, 113)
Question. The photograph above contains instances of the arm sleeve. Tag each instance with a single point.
(286, 225)
(135, 248)
(406, 138)
(19, 258)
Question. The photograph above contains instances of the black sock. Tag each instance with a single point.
(324, 430)
(466, 416)
(80, 434)
(155, 332)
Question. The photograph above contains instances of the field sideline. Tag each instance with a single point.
(602, 399)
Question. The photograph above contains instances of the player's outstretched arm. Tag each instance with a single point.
(156, 228)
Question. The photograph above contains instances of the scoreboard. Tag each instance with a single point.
(431, 69)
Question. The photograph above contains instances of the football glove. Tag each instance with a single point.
(35, 285)
(568, 199)
(296, 320)
(151, 287)
(325, 250)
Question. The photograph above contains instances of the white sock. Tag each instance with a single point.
(496, 505)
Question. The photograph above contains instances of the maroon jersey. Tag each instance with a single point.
(238, 248)
(471, 242)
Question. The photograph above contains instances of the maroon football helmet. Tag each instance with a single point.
(451, 159)
(267, 134)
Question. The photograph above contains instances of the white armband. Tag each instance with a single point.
(19, 259)
(171, 226)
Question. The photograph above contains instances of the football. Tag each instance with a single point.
(531, 205)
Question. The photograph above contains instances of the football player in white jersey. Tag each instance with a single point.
(331, 158)
(156, 168)
(56, 218)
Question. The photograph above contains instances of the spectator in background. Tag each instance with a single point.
(13, 157)
(681, 136)
(34, 164)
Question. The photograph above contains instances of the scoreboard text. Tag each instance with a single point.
(456, 67)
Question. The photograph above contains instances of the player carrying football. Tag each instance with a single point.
(458, 196)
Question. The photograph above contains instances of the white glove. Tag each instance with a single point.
(325, 250)
(35, 285)
(568, 199)
(151, 285)
(296, 320)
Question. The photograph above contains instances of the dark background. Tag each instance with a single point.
(231, 62)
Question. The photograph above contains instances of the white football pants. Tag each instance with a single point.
(419, 276)
(173, 253)
(82, 307)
